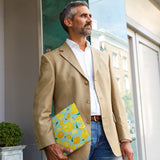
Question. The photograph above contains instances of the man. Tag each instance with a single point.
(76, 72)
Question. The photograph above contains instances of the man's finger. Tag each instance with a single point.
(123, 155)
(130, 156)
(68, 150)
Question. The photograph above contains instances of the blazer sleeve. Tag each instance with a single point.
(118, 108)
(42, 107)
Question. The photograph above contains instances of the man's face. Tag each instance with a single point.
(82, 23)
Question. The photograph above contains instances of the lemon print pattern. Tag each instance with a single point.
(59, 129)
(85, 134)
(80, 145)
(68, 136)
(71, 120)
(74, 131)
(61, 122)
(68, 115)
(54, 133)
(72, 146)
(59, 141)
(53, 120)
(74, 109)
(65, 144)
(82, 126)
(53, 126)
(59, 115)
(78, 119)
(64, 110)
(60, 134)
(76, 140)
(69, 129)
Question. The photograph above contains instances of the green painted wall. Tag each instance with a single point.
(53, 33)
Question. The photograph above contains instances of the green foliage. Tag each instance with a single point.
(10, 134)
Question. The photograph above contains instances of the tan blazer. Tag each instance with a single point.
(63, 80)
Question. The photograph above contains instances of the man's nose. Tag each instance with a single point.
(89, 19)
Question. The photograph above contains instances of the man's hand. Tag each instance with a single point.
(55, 152)
(126, 150)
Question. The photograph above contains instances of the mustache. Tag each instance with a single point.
(88, 24)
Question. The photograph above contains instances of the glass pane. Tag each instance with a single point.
(110, 35)
(148, 60)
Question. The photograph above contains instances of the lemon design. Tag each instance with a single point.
(82, 126)
(78, 119)
(72, 146)
(86, 142)
(64, 110)
(61, 122)
(65, 144)
(76, 140)
(53, 120)
(68, 136)
(84, 134)
(67, 127)
(72, 121)
(59, 115)
(60, 134)
(58, 129)
(74, 109)
(53, 126)
(74, 131)
(54, 132)
(59, 141)
(79, 145)
(68, 115)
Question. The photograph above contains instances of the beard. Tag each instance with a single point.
(86, 31)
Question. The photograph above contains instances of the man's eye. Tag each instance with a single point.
(83, 15)
(86, 15)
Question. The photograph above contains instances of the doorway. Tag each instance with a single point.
(146, 84)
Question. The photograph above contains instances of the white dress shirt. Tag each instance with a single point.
(85, 60)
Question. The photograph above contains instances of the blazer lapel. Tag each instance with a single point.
(67, 54)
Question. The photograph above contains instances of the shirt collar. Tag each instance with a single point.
(73, 44)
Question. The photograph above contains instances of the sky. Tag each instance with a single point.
(110, 15)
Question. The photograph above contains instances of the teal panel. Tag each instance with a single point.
(53, 33)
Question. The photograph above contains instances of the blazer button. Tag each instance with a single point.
(88, 101)
(88, 121)
(86, 82)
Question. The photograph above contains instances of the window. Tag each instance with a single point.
(115, 40)
(125, 66)
(102, 46)
(126, 83)
(118, 81)
(115, 60)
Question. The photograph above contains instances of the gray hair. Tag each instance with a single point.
(69, 12)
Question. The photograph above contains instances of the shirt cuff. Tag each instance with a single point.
(125, 140)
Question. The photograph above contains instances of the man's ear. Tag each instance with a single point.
(68, 22)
